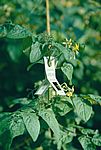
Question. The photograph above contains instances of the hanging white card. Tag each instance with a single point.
(51, 76)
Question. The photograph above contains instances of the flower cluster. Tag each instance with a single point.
(71, 45)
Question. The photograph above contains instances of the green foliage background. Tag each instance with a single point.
(78, 20)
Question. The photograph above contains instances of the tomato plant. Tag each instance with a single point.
(50, 121)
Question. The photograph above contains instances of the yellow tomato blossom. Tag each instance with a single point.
(68, 42)
(76, 47)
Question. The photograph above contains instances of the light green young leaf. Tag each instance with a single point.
(18, 32)
(35, 53)
(97, 139)
(67, 69)
(86, 143)
(32, 124)
(49, 117)
(82, 108)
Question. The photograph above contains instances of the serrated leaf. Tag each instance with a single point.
(82, 108)
(49, 117)
(97, 139)
(18, 32)
(35, 53)
(67, 69)
(32, 124)
(86, 143)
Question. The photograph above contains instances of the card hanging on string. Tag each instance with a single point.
(50, 78)
(50, 66)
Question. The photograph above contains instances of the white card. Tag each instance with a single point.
(51, 75)
(43, 88)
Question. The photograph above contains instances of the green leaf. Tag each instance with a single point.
(6, 140)
(68, 55)
(95, 98)
(86, 143)
(63, 50)
(35, 53)
(87, 131)
(49, 117)
(82, 108)
(97, 139)
(22, 101)
(67, 69)
(32, 124)
(18, 32)
(62, 105)
(63, 108)
(15, 47)
(11, 125)
(15, 50)
(3, 31)
(60, 61)
(66, 137)
(17, 126)
(4, 122)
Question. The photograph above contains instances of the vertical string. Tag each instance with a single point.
(47, 17)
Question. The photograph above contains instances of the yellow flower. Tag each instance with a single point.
(76, 47)
(68, 42)
(69, 91)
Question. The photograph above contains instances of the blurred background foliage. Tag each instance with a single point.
(78, 20)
